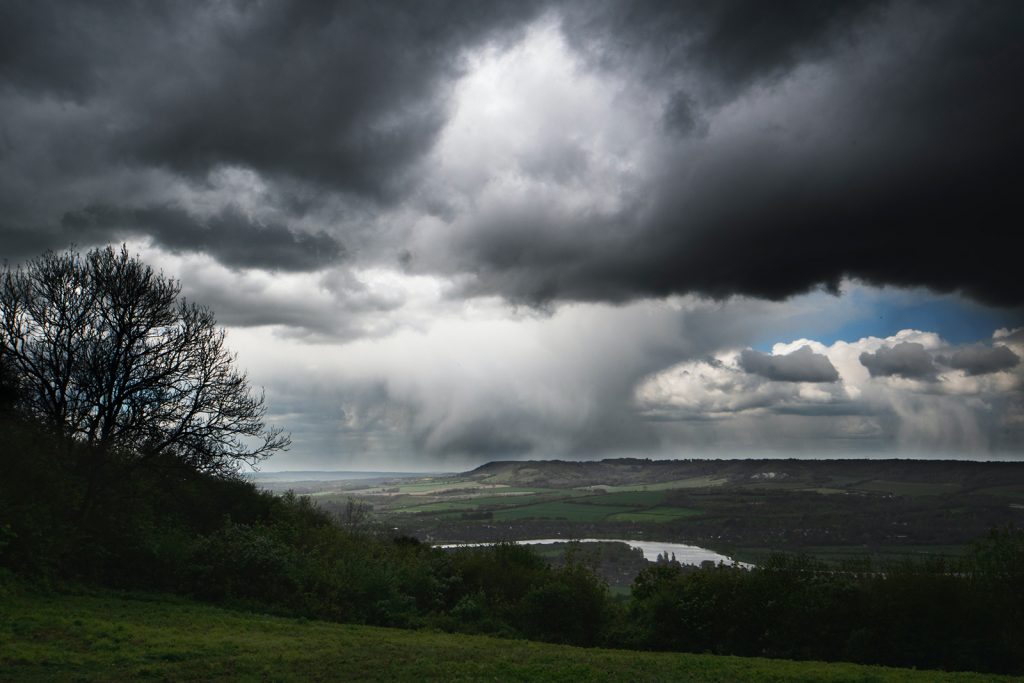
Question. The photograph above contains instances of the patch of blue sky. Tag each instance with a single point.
(864, 311)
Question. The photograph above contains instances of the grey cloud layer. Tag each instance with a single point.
(907, 359)
(802, 142)
(979, 359)
(229, 235)
(912, 361)
(802, 365)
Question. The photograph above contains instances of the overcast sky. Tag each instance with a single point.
(441, 233)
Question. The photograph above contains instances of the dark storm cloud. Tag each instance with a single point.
(317, 99)
(979, 359)
(907, 127)
(904, 124)
(230, 236)
(22, 242)
(343, 93)
(906, 359)
(733, 43)
(802, 365)
(41, 48)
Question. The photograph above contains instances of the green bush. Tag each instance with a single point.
(571, 606)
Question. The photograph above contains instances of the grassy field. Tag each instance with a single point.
(438, 507)
(689, 483)
(568, 511)
(107, 636)
(628, 498)
(656, 514)
(1016, 492)
(911, 488)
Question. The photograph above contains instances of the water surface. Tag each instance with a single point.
(684, 554)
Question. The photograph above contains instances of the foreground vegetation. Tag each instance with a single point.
(108, 636)
(222, 541)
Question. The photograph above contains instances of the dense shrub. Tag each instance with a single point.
(571, 606)
(935, 614)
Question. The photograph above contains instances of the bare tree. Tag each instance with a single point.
(105, 351)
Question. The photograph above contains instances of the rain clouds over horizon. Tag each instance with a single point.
(441, 233)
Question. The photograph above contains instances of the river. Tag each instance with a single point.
(685, 554)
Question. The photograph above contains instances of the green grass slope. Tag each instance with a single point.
(108, 636)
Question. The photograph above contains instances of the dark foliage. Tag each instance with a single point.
(964, 615)
(221, 540)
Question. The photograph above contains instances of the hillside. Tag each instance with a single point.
(110, 636)
(840, 473)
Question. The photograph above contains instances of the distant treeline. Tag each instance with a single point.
(170, 528)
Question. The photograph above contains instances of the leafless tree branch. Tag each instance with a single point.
(104, 350)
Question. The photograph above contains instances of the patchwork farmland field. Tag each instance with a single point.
(840, 510)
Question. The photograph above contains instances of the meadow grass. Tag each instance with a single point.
(560, 510)
(630, 498)
(97, 635)
(689, 483)
(657, 514)
(911, 488)
(454, 506)
(1011, 491)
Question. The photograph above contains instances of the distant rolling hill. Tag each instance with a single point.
(631, 471)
